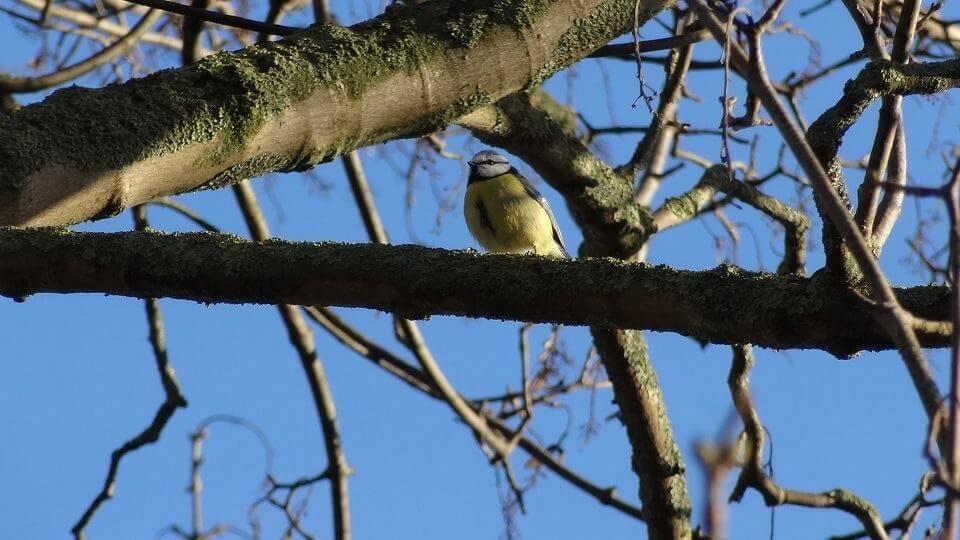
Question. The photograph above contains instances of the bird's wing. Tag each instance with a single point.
(528, 186)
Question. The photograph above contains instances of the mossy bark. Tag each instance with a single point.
(724, 305)
(288, 105)
(656, 458)
(825, 135)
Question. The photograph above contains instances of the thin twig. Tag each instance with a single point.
(12, 85)
(690, 35)
(301, 338)
(676, 70)
(186, 212)
(173, 399)
(219, 18)
(889, 313)
(196, 483)
(752, 474)
(635, 33)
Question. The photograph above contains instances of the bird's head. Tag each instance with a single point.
(488, 164)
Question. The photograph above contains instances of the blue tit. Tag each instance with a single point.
(505, 213)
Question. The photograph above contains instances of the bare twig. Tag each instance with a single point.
(889, 313)
(173, 399)
(186, 212)
(691, 35)
(219, 18)
(95, 24)
(752, 475)
(635, 33)
(288, 490)
(302, 339)
(717, 460)
(888, 125)
(904, 522)
(952, 198)
(418, 380)
(524, 374)
(10, 84)
(892, 202)
(196, 483)
(676, 70)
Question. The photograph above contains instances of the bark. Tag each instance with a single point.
(656, 459)
(288, 105)
(723, 305)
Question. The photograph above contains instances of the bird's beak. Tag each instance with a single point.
(471, 163)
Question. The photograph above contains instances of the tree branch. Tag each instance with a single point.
(301, 337)
(12, 84)
(413, 281)
(656, 458)
(676, 210)
(889, 314)
(417, 380)
(173, 399)
(752, 475)
(286, 105)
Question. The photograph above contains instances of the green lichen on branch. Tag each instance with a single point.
(656, 458)
(688, 205)
(876, 79)
(228, 96)
(725, 305)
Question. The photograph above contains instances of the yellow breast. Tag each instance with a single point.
(503, 217)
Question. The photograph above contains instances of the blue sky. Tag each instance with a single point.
(77, 376)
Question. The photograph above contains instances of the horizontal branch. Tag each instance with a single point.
(724, 305)
(628, 51)
(287, 105)
(877, 79)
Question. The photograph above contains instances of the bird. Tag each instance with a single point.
(505, 213)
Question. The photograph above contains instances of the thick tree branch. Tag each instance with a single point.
(286, 105)
(771, 311)
(656, 458)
